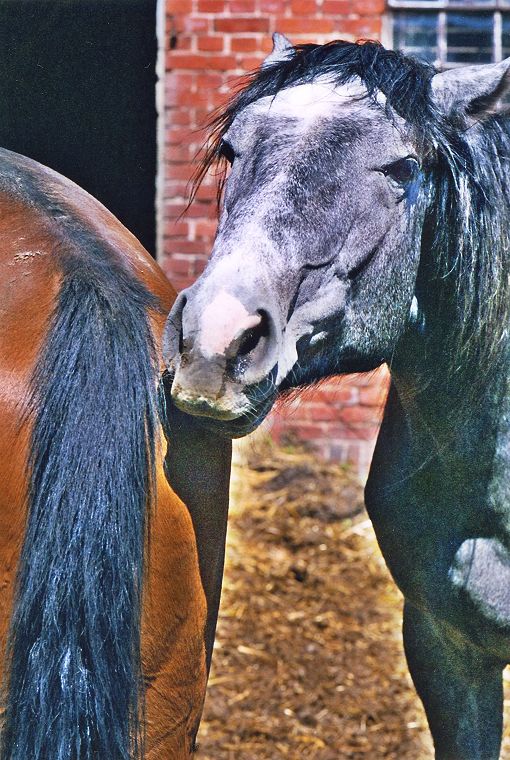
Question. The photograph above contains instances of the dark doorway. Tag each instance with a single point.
(77, 93)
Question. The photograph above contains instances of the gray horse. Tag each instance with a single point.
(366, 220)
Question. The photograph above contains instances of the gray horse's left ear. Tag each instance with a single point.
(282, 49)
(473, 93)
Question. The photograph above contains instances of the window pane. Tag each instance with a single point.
(506, 34)
(469, 37)
(447, 4)
(416, 34)
(467, 3)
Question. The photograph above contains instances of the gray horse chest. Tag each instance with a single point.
(480, 571)
(445, 535)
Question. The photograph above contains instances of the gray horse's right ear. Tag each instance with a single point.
(282, 49)
(473, 93)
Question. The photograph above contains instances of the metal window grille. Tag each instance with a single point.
(451, 33)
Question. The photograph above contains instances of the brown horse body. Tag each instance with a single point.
(174, 603)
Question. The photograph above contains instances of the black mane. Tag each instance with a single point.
(466, 239)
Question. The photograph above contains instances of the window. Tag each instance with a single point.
(451, 33)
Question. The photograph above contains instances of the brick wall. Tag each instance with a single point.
(210, 44)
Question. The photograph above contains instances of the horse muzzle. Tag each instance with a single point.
(217, 352)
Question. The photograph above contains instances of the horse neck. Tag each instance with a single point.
(450, 415)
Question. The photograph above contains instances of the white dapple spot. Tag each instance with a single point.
(318, 337)
(223, 320)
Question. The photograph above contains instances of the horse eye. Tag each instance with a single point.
(225, 150)
(402, 171)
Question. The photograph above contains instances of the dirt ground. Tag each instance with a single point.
(309, 660)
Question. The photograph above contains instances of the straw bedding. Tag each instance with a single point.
(308, 661)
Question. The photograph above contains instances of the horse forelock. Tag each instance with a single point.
(467, 171)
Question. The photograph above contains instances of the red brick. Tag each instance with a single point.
(179, 265)
(184, 42)
(196, 24)
(206, 192)
(180, 117)
(186, 61)
(369, 378)
(308, 432)
(173, 97)
(251, 63)
(241, 24)
(303, 7)
(320, 412)
(180, 7)
(373, 396)
(202, 117)
(178, 154)
(206, 228)
(337, 7)
(217, 98)
(242, 6)
(174, 210)
(181, 283)
(273, 6)
(210, 43)
(243, 44)
(298, 26)
(198, 267)
(193, 98)
(369, 7)
(183, 246)
(179, 171)
(335, 396)
(266, 44)
(176, 229)
(207, 80)
(362, 28)
(176, 189)
(351, 431)
(177, 27)
(359, 414)
(177, 82)
(202, 211)
(177, 136)
(211, 6)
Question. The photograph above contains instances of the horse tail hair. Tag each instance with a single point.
(74, 676)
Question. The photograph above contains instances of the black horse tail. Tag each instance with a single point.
(74, 681)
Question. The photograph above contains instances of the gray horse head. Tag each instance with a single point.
(315, 262)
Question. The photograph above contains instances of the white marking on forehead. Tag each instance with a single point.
(314, 99)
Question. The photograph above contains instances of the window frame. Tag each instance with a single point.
(442, 8)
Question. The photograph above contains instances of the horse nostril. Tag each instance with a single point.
(254, 335)
(173, 332)
(250, 346)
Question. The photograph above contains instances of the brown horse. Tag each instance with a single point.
(88, 512)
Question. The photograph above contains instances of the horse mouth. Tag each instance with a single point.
(227, 422)
(238, 428)
(199, 406)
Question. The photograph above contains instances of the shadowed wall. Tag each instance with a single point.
(77, 93)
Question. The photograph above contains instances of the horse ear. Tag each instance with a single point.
(282, 49)
(473, 93)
